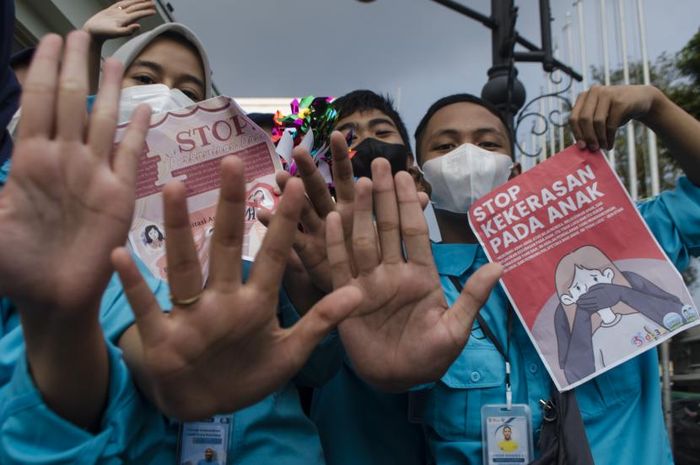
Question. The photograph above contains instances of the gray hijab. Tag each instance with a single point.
(128, 52)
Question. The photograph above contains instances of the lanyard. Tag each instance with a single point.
(565, 431)
(492, 337)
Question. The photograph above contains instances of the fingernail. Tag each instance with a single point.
(581, 144)
(594, 148)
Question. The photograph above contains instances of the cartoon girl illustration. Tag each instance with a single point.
(260, 198)
(153, 237)
(604, 313)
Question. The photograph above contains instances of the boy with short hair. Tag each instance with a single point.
(357, 423)
(615, 403)
(369, 114)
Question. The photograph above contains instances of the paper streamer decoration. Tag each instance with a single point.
(309, 125)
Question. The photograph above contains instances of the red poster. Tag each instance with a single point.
(589, 282)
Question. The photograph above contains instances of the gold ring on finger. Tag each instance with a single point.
(186, 302)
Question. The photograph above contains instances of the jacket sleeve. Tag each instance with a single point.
(674, 219)
(131, 430)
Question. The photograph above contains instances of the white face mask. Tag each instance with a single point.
(465, 174)
(159, 96)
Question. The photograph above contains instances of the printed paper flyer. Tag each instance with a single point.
(188, 145)
(585, 275)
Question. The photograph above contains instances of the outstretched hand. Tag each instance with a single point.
(404, 333)
(221, 348)
(67, 203)
(119, 20)
(310, 241)
(309, 272)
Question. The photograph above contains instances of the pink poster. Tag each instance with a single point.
(583, 272)
(188, 145)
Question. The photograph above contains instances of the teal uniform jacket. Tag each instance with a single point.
(132, 431)
(621, 408)
(359, 425)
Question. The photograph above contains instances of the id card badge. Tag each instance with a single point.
(506, 434)
(204, 442)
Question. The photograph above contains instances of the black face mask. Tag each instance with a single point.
(371, 148)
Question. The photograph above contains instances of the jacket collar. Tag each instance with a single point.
(456, 259)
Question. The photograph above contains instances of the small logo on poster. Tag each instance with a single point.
(672, 320)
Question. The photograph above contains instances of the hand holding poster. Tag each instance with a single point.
(585, 275)
(188, 145)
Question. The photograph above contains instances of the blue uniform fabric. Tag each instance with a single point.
(621, 408)
(360, 425)
(132, 431)
(31, 433)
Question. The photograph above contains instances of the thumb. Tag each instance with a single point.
(323, 317)
(460, 316)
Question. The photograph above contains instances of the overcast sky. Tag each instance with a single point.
(415, 50)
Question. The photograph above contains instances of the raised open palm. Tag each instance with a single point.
(309, 255)
(222, 348)
(404, 333)
(69, 200)
(67, 203)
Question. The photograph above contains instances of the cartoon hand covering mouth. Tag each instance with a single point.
(604, 313)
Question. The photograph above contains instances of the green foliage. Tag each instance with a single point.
(688, 59)
(686, 93)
